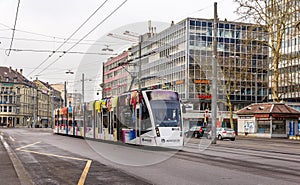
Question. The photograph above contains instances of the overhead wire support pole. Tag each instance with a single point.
(214, 78)
(83, 104)
(140, 63)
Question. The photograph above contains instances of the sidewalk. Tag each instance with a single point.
(8, 173)
(280, 140)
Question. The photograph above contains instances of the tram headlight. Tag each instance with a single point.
(157, 132)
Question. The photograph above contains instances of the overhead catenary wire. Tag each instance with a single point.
(51, 51)
(86, 42)
(85, 35)
(71, 41)
(13, 33)
(44, 61)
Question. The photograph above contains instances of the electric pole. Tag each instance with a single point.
(83, 105)
(140, 63)
(214, 78)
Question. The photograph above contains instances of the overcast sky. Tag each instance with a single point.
(43, 24)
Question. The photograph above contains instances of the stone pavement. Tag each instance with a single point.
(8, 174)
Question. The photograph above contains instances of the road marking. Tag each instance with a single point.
(27, 145)
(83, 174)
(22, 174)
(11, 138)
(54, 155)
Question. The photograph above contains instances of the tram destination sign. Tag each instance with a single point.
(162, 95)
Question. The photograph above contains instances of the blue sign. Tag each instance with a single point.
(292, 130)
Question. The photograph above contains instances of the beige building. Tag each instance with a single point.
(25, 103)
(47, 100)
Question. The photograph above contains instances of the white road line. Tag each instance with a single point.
(11, 138)
(24, 177)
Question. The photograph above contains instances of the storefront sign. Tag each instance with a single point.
(204, 96)
(203, 81)
(178, 82)
(262, 115)
(7, 84)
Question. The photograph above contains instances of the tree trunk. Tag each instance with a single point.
(275, 79)
(231, 116)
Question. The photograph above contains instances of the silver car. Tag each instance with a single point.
(225, 133)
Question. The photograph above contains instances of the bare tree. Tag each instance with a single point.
(275, 18)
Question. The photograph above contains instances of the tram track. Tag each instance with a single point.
(251, 162)
(255, 152)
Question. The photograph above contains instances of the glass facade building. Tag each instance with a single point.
(180, 58)
(289, 66)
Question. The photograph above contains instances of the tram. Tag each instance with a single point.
(148, 117)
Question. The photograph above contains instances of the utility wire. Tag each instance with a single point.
(52, 52)
(85, 36)
(14, 29)
(70, 36)
(87, 42)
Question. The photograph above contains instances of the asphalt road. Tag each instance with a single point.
(55, 159)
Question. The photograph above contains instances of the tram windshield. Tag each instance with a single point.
(166, 113)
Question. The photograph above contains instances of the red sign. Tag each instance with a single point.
(204, 96)
(261, 115)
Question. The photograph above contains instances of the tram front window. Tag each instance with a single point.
(166, 113)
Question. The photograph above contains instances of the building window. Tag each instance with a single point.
(278, 127)
(263, 126)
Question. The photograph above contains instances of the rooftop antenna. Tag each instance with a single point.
(149, 26)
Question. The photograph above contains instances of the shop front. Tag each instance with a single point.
(268, 120)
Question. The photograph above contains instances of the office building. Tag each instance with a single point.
(180, 58)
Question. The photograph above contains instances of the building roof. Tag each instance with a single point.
(7, 74)
(267, 108)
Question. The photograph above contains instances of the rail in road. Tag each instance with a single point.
(254, 155)
(232, 162)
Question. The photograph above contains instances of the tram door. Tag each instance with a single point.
(138, 125)
(111, 126)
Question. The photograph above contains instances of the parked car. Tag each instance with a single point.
(224, 133)
(195, 131)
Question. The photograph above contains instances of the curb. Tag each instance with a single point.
(23, 176)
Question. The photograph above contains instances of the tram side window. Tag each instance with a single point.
(126, 119)
(105, 118)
